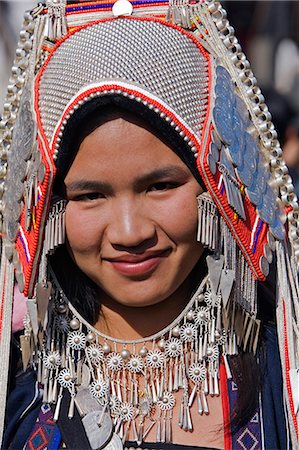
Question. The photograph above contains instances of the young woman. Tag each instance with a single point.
(144, 223)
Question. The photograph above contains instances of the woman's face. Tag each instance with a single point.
(131, 216)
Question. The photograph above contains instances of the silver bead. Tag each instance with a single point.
(190, 315)
(125, 354)
(200, 298)
(61, 308)
(176, 332)
(217, 334)
(161, 344)
(143, 352)
(106, 348)
(74, 324)
(90, 337)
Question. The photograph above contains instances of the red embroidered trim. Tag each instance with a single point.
(287, 369)
(2, 305)
(225, 407)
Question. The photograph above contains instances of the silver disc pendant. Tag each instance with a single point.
(122, 8)
(85, 402)
(97, 433)
(114, 444)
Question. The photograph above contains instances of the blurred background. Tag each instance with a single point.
(269, 34)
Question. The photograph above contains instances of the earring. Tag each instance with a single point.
(55, 227)
(208, 221)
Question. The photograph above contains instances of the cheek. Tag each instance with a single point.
(180, 219)
(82, 229)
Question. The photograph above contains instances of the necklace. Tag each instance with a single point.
(126, 388)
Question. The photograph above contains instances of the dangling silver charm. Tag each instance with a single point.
(207, 232)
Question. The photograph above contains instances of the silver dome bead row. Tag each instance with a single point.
(13, 96)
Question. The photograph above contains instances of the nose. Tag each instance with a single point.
(131, 226)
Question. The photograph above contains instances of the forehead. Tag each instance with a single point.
(120, 148)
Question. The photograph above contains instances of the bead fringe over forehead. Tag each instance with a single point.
(182, 61)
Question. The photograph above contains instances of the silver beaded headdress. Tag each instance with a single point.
(182, 61)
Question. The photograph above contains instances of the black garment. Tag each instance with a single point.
(156, 446)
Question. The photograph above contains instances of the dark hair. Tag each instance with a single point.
(102, 109)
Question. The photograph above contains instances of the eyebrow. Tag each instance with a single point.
(88, 185)
(170, 171)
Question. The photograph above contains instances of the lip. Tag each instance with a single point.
(138, 264)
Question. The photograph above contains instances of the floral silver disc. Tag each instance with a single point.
(52, 360)
(115, 361)
(95, 353)
(188, 332)
(167, 401)
(173, 347)
(202, 315)
(155, 359)
(98, 389)
(197, 373)
(76, 340)
(212, 353)
(126, 411)
(65, 379)
(135, 364)
(62, 323)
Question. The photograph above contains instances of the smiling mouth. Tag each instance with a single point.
(131, 265)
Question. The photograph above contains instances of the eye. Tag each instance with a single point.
(162, 186)
(89, 196)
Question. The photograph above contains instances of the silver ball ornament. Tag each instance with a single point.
(90, 337)
(190, 315)
(143, 352)
(176, 332)
(106, 348)
(125, 354)
(74, 324)
(161, 344)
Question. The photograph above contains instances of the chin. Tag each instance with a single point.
(139, 295)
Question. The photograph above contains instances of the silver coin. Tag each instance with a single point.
(212, 163)
(85, 402)
(271, 241)
(98, 434)
(114, 444)
(238, 124)
(223, 123)
(37, 157)
(264, 266)
(9, 250)
(19, 190)
(24, 132)
(235, 153)
(20, 280)
(243, 111)
(252, 149)
(214, 151)
(85, 377)
(12, 229)
(13, 212)
(15, 257)
(277, 229)
(41, 172)
(244, 174)
(223, 91)
(222, 73)
(267, 210)
(259, 185)
(268, 253)
(216, 140)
